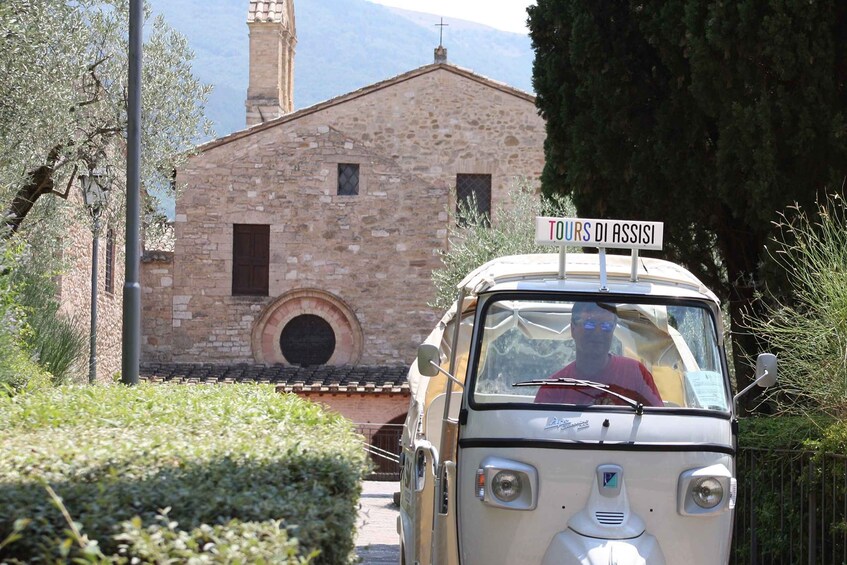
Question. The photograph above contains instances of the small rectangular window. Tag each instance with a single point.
(474, 190)
(250, 259)
(348, 179)
(110, 260)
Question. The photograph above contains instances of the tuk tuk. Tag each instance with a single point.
(573, 409)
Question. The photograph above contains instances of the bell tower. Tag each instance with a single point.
(270, 93)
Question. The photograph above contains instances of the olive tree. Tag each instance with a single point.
(474, 238)
(63, 98)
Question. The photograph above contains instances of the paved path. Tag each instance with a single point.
(377, 542)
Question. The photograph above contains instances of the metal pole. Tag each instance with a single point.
(813, 510)
(92, 334)
(132, 287)
(602, 258)
(563, 258)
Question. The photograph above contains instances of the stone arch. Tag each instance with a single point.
(265, 338)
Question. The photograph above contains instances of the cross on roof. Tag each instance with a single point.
(441, 31)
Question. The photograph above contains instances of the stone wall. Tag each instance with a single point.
(156, 305)
(372, 254)
(75, 286)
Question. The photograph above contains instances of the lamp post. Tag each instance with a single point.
(131, 349)
(95, 192)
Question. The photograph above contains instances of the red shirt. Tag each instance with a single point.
(623, 375)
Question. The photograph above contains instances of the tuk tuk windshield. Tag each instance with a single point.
(594, 353)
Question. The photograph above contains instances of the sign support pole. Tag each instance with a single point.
(603, 287)
(633, 274)
(563, 257)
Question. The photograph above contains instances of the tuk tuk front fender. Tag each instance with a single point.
(570, 548)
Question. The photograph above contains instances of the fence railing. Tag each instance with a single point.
(382, 442)
(791, 508)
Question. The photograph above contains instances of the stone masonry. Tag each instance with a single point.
(74, 284)
(272, 40)
(353, 268)
(361, 262)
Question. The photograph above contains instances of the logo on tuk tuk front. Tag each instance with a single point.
(564, 424)
(610, 480)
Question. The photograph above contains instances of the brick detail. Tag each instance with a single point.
(269, 326)
(364, 409)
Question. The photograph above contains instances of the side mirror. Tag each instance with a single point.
(766, 370)
(427, 355)
(765, 375)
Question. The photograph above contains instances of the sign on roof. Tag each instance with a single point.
(612, 234)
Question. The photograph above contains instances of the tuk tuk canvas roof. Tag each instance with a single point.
(579, 266)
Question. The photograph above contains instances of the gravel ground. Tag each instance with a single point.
(377, 541)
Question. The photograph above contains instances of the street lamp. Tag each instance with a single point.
(95, 192)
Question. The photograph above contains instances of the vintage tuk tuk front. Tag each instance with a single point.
(573, 409)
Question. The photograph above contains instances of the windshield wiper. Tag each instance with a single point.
(567, 381)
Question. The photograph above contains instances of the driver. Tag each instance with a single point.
(592, 327)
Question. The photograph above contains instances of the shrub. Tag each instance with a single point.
(212, 455)
(37, 343)
(18, 369)
(58, 343)
(233, 542)
(810, 327)
(783, 463)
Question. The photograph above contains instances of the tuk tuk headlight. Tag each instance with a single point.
(507, 484)
(705, 491)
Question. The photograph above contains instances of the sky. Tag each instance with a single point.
(507, 15)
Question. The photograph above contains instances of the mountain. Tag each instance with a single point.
(342, 45)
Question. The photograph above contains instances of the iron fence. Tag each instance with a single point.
(791, 508)
(382, 442)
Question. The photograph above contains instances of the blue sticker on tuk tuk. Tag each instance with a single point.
(609, 479)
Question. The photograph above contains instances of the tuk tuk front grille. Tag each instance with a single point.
(609, 518)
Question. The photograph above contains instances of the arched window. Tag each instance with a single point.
(307, 327)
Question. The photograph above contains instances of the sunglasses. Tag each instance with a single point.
(591, 325)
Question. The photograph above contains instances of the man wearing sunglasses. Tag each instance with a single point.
(592, 327)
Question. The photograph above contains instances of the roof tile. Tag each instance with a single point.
(325, 378)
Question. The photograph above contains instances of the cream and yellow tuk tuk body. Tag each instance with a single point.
(495, 472)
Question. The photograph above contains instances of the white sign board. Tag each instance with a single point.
(611, 234)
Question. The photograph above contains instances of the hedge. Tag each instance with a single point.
(165, 464)
(782, 462)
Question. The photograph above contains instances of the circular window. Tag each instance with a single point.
(339, 327)
(307, 340)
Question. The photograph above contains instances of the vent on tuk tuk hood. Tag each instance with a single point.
(607, 514)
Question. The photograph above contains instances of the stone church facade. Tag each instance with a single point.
(304, 244)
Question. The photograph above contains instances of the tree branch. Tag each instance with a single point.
(40, 182)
